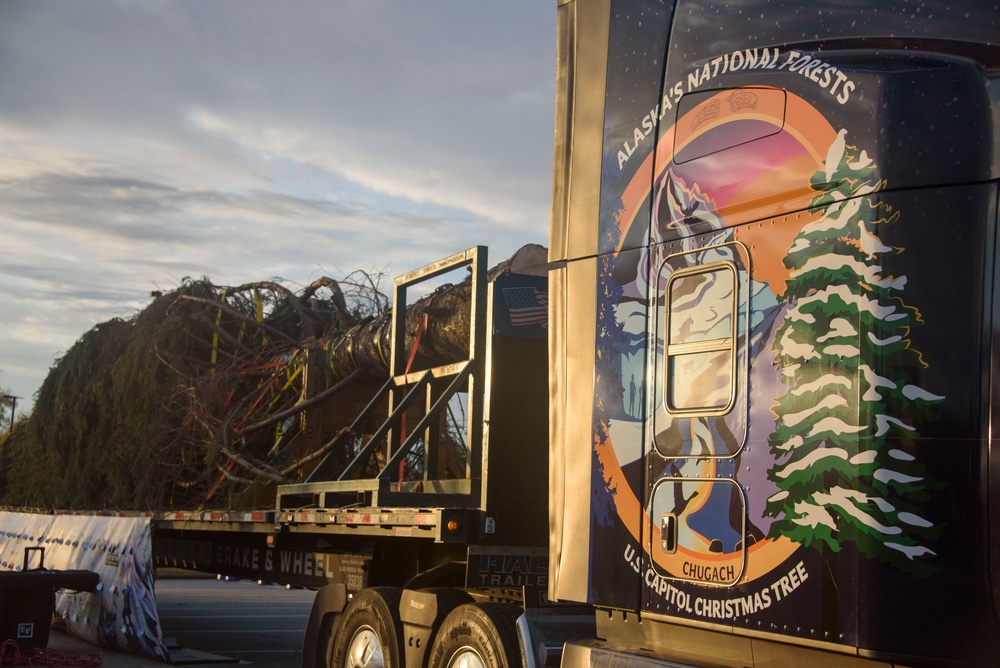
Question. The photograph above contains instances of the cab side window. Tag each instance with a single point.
(701, 340)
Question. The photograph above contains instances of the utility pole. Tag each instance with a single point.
(13, 407)
(4, 464)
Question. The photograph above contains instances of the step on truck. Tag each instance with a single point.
(755, 428)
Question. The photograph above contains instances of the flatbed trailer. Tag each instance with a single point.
(438, 542)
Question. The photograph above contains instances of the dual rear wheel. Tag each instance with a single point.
(472, 635)
(477, 635)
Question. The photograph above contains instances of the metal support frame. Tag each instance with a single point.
(436, 387)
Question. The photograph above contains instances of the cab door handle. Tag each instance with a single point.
(668, 533)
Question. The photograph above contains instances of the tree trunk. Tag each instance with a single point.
(441, 321)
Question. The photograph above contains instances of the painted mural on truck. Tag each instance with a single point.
(758, 388)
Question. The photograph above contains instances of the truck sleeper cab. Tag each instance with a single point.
(786, 218)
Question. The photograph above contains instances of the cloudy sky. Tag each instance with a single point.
(142, 141)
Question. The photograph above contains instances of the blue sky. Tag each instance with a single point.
(145, 141)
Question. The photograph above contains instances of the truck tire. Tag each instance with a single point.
(478, 635)
(448, 599)
(370, 634)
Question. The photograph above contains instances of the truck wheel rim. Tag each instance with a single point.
(365, 650)
(466, 657)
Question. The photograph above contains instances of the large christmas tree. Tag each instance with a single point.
(843, 462)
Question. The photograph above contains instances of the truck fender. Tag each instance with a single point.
(422, 613)
(321, 628)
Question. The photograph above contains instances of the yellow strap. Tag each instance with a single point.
(292, 377)
(215, 335)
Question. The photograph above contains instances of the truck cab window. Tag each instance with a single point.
(701, 340)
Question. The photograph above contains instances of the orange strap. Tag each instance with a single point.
(424, 322)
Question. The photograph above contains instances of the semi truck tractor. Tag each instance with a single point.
(741, 415)
(773, 312)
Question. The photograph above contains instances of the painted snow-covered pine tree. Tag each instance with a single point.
(843, 467)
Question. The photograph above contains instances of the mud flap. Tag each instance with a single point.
(330, 601)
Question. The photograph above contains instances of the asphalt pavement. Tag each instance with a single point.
(209, 622)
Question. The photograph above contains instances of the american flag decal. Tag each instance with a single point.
(527, 306)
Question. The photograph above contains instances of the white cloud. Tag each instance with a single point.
(141, 143)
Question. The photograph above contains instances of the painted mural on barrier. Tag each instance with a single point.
(122, 613)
